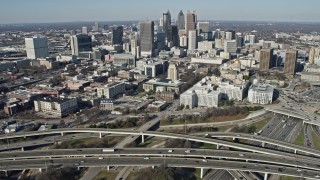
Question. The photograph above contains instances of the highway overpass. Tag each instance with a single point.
(218, 142)
(159, 161)
(261, 159)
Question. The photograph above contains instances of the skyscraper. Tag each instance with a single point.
(173, 35)
(80, 43)
(173, 72)
(192, 40)
(117, 35)
(95, 27)
(230, 46)
(291, 62)
(265, 59)
(37, 47)
(311, 55)
(146, 38)
(84, 30)
(190, 23)
(203, 27)
(181, 20)
(166, 20)
(134, 45)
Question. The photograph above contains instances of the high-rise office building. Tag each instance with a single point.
(80, 43)
(181, 20)
(230, 46)
(190, 23)
(183, 41)
(252, 39)
(311, 55)
(37, 47)
(117, 35)
(84, 30)
(265, 58)
(291, 62)
(192, 40)
(173, 35)
(239, 39)
(203, 27)
(146, 38)
(166, 20)
(134, 45)
(161, 40)
(230, 34)
(173, 72)
(95, 27)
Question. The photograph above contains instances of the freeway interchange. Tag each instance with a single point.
(298, 161)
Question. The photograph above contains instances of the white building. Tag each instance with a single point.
(173, 72)
(56, 107)
(260, 94)
(200, 95)
(37, 47)
(111, 90)
(205, 46)
(228, 35)
(230, 46)
(192, 40)
(183, 41)
(232, 91)
(252, 39)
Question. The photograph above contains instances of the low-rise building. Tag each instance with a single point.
(55, 107)
(200, 95)
(157, 106)
(261, 94)
(111, 90)
(107, 105)
(156, 85)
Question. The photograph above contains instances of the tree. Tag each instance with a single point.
(252, 129)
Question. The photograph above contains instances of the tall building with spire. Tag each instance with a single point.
(181, 20)
(191, 20)
(166, 20)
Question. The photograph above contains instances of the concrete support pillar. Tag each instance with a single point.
(100, 134)
(40, 170)
(202, 172)
(78, 168)
(6, 173)
(262, 144)
(142, 136)
(233, 139)
(152, 167)
(218, 146)
(265, 176)
(108, 168)
(295, 151)
(61, 133)
(22, 148)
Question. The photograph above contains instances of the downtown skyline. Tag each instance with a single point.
(36, 11)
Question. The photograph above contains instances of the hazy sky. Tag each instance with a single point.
(26, 11)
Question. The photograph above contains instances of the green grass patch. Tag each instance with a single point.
(300, 139)
(260, 124)
(316, 140)
(106, 175)
(287, 178)
(208, 146)
(197, 173)
(149, 142)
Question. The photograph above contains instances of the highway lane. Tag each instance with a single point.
(298, 161)
(180, 136)
(44, 141)
(168, 161)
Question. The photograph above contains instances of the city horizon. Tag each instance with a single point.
(59, 11)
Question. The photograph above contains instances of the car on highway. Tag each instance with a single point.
(100, 157)
(204, 160)
(146, 158)
(170, 150)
